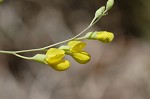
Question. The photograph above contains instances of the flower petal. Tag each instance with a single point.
(76, 46)
(54, 55)
(82, 57)
(105, 37)
(61, 65)
(54, 51)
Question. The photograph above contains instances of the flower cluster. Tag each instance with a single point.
(54, 57)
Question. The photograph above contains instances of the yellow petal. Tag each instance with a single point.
(54, 55)
(102, 36)
(76, 46)
(82, 57)
(54, 51)
(105, 36)
(61, 65)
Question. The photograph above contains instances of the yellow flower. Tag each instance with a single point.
(54, 58)
(76, 46)
(76, 51)
(61, 65)
(82, 57)
(102, 36)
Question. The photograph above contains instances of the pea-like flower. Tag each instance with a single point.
(54, 58)
(76, 51)
(76, 46)
(102, 36)
(82, 57)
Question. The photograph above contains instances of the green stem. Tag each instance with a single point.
(7, 52)
(44, 48)
(81, 38)
(24, 57)
(39, 49)
(96, 20)
(13, 53)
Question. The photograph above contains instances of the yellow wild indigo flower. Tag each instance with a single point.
(76, 51)
(54, 58)
(105, 36)
(82, 57)
(76, 46)
(102, 36)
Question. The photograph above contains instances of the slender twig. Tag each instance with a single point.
(43, 48)
(24, 57)
(16, 53)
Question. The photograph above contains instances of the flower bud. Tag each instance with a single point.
(102, 36)
(109, 4)
(99, 12)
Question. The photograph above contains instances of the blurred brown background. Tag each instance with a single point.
(119, 70)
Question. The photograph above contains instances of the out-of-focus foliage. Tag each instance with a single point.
(1, 1)
(136, 17)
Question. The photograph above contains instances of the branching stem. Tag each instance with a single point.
(17, 53)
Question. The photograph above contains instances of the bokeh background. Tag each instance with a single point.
(119, 70)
